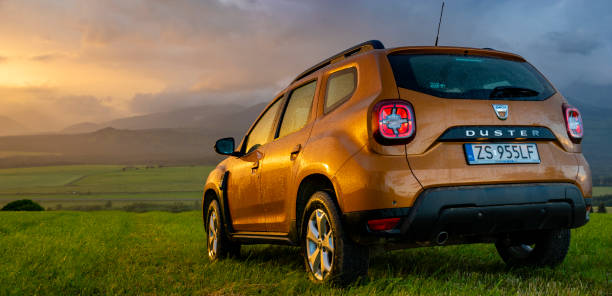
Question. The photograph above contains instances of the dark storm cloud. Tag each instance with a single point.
(574, 42)
(239, 46)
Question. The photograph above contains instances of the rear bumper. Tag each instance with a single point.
(471, 212)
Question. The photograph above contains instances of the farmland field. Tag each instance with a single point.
(602, 190)
(97, 183)
(112, 252)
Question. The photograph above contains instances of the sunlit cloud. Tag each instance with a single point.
(46, 57)
(141, 56)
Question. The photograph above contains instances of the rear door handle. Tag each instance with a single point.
(295, 151)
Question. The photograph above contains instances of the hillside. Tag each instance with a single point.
(113, 146)
(81, 128)
(234, 118)
(9, 126)
(186, 136)
(183, 136)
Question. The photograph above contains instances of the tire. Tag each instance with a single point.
(218, 244)
(329, 255)
(546, 249)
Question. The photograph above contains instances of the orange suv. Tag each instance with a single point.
(378, 148)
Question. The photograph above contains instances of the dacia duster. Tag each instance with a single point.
(380, 149)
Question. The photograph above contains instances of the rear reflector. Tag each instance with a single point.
(383, 224)
(573, 123)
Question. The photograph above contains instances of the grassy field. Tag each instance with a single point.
(164, 253)
(602, 190)
(53, 186)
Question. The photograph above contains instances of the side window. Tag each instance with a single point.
(262, 131)
(340, 87)
(298, 109)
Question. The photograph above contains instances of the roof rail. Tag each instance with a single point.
(365, 46)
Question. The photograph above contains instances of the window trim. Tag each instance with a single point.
(245, 140)
(337, 104)
(286, 103)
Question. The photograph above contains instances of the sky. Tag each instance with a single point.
(69, 61)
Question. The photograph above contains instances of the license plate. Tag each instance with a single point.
(502, 153)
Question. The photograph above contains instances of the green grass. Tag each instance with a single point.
(63, 253)
(102, 182)
(36, 178)
(602, 190)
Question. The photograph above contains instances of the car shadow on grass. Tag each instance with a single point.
(424, 262)
(432, 261)
(274, 255)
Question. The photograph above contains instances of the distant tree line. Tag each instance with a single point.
(605, 199)
(22, 205)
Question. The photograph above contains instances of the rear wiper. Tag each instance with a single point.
(512, 92)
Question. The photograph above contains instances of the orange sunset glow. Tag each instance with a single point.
(69, 62)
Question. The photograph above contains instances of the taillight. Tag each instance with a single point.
(383, 224)
(573, 123)
(393, 122)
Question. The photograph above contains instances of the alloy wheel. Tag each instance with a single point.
(319, 244)
(213, 231)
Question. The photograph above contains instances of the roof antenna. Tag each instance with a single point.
(439, 23)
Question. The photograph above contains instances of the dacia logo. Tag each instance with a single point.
(501, 110)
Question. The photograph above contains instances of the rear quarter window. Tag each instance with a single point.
(340, 87)
(469, 77)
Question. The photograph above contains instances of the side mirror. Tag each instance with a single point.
(225, 146)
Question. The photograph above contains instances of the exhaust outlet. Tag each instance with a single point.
(442, 237)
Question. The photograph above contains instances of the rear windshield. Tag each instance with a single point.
(469, 77)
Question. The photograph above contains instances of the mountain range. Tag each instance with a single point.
(9, 126)
(186, 136)
(233, 117)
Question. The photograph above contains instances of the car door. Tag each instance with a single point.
(243, 187)
(282, 157)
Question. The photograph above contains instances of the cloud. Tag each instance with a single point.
(87, 108)
(173, 54)
(46, 109)
(171, 100)
(574, 42)
(46, 57)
